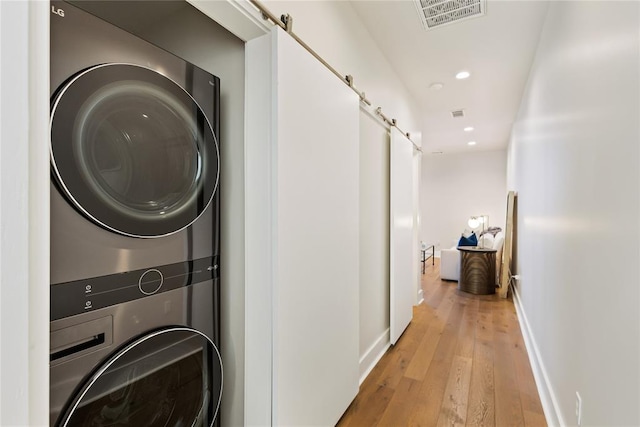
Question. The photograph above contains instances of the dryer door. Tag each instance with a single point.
(132, 150)
(172, 377)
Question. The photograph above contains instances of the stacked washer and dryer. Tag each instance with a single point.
(134, 230)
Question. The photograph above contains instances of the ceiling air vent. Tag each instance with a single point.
(457, 113)
(436, 13)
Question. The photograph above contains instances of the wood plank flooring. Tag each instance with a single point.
(461, 362)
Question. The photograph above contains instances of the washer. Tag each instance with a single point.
(134, 230)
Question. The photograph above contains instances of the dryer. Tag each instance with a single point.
(134, 230)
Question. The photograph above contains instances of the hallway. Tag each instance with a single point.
(461, 361)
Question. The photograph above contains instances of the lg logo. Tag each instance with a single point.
(57, 11)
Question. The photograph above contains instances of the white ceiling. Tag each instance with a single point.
(497, 48)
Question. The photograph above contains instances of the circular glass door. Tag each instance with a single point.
(172, 377)
(132, 150)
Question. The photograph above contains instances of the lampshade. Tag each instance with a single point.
(473, 222)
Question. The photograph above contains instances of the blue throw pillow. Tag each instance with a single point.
(468, 241)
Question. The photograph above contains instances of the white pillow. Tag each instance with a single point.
(486, 241)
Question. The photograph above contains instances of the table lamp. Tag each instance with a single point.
(477, 221)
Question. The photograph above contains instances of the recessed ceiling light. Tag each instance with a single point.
(463, 75)
(471, 143)
(436, 86)
(468, 129)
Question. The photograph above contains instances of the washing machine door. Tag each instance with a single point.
(132, 150)
(172, 377)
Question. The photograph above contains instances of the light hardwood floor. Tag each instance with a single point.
(462, 361)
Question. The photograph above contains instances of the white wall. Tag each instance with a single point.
(574, 160)
(24, 213)
(458, 185)
(260, 215)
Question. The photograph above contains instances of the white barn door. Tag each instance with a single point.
(302, 241)
(403, 226)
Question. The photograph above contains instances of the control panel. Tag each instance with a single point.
(71, 298)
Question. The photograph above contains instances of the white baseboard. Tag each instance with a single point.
(420, 296)
(373, 355)
(548, 398)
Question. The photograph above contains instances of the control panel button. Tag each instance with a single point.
(150, 281)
